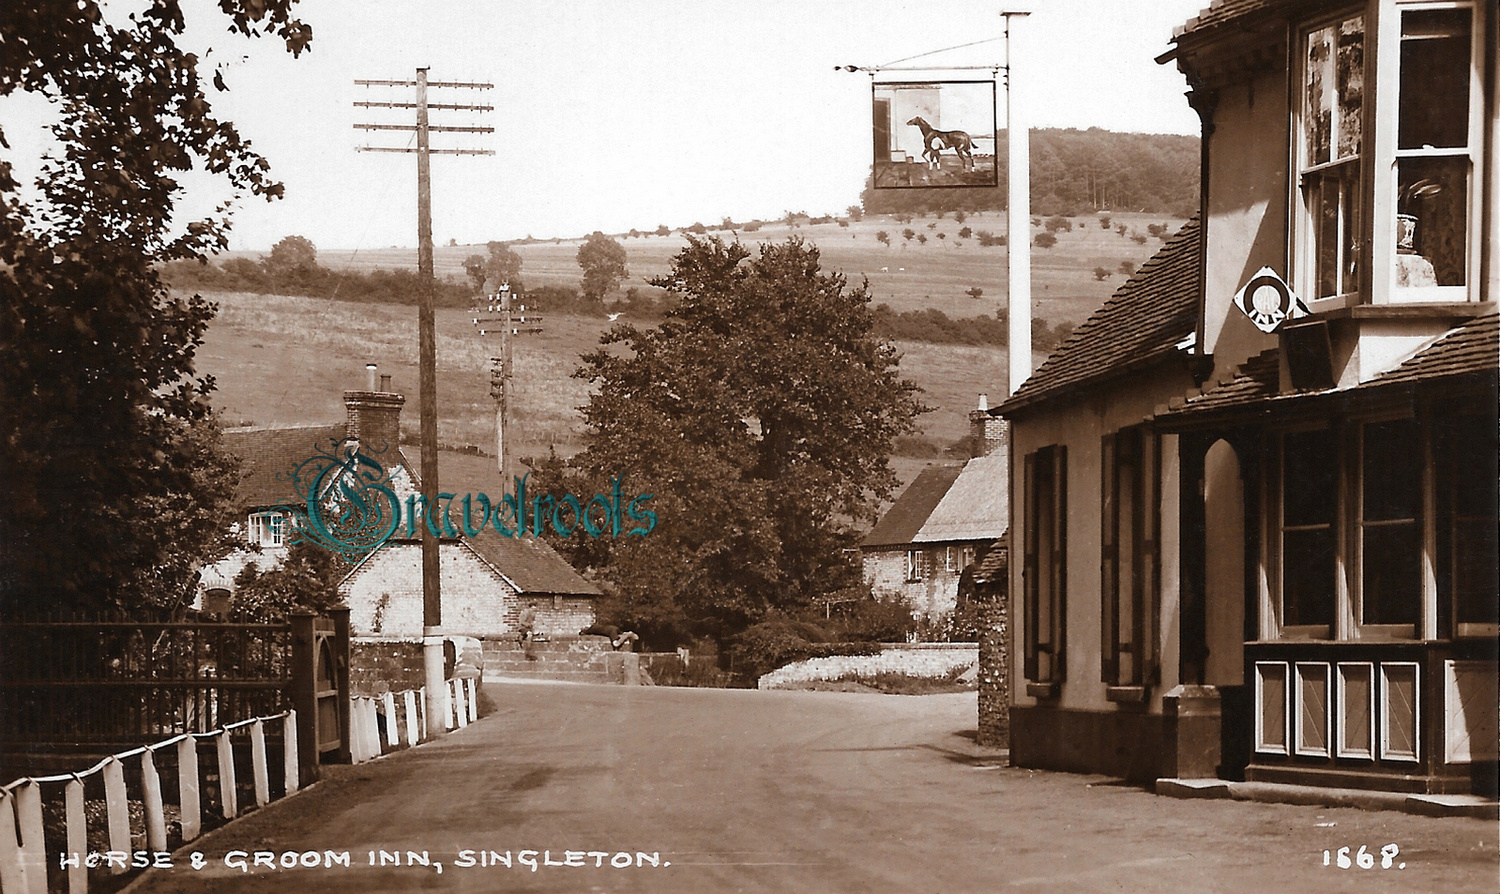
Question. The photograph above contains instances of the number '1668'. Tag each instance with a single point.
(1363, 858)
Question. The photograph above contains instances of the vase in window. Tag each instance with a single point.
(1407, 202)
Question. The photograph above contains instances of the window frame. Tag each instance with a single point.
(263, 524)
(1276, 519)
(913, 566)
(1044, 579)
(1359, 526)
(1130, 469)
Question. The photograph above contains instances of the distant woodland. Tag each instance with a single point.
(1075, 172)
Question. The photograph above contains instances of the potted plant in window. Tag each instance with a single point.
(1407, 201)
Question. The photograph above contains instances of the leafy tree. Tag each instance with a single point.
(855, 212)
(760, 415)
(663, 230)
(1044, 240)
(474, 269)
(292, 253)
(922, 238)
(1127, 267)
(960, 216)
(307, 578)
(1104, 220)
(883, 237)
(113, 475)
(603, 263)
(908, 233)
(501, 267)
(1102, 273)
(975, 292)
(966, 232)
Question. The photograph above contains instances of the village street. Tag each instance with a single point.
(794, 792)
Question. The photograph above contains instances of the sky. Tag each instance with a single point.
(620, 114)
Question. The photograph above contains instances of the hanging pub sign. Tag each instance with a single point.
(1268, 301)
(934, 134)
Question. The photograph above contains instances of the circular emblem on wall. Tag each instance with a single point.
(1268, 301)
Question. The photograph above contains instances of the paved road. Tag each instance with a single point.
(791, 792)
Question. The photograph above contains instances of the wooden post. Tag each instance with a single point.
(77, 836)
(228, 797)
(460, 707)
(1018, 214)
(413, 733)
(258, 769)
(33, 851)
(12, 871)
(305, 697)
(392, 735)
(340, 617)
(117, 809)
(156, 821)
(187, 788)
(290, 745)
(473, 700)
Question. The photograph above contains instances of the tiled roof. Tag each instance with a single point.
(976, 506)
(1144, 320)
(904, 519)
(266, 452)
(1470, 348)
(996, 562)
(1220, 11)
(1473, 347)
(530, 564)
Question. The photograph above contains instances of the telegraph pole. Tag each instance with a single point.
(502, 370)
(432, 605)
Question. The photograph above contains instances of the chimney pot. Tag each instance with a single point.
(370, 368)
(984, 401)
(385, 384)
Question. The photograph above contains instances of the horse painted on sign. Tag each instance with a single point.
(937, 140)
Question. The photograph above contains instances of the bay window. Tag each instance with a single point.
(1387, 180)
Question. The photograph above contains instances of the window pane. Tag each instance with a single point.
(1434, 78)
(1308, 477)
(1432, 207)
(1351, 85)
(1392, 583)
(1318, 108)
(1307, 577)
(1392, 482)
(1471, 450)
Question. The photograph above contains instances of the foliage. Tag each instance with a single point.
(292, 253)
(871, 620)
(603, 263)
(108, 442)
(1074, 171)
(375, 287)
(883, 237)
(763, 647)
(308, 578)
(503, 266)
(935, 327)
(1102, 273)
(760, 415)
(1044, 240)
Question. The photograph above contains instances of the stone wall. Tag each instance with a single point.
(910, 659)
(384, 593)
(932, 597)
(994, 673)
(555, 615)
(377, 667)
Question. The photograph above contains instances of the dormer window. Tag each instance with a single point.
(267, 528)
(1387, 155)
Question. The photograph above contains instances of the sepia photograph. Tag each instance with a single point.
(749, 446)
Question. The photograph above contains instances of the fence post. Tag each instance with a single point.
(188, 803)
(117, 807)
(305, 695)
(473, 684)
(12, 873)
(33, 849)
(259, 771)
(392, 737)
(228, 797)
(289, 746)
(156, 821)
(413, 735)
(460, 709)
(77, 836)
(340, 616)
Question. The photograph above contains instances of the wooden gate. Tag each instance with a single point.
(320, 688)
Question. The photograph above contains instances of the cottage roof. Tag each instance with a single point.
(1472, 347)
(531, 565)
(902, 522)
(976, 506)
(1146, 319)
(995, 565)
(266, 453)
(1220, 12)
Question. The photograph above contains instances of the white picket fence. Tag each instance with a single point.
(23, 853)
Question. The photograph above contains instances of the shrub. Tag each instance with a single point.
(1045, 240)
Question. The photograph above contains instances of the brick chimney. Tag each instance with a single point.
(986, 432)
(375, 416)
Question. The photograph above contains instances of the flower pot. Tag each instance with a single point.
(1406, 234)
